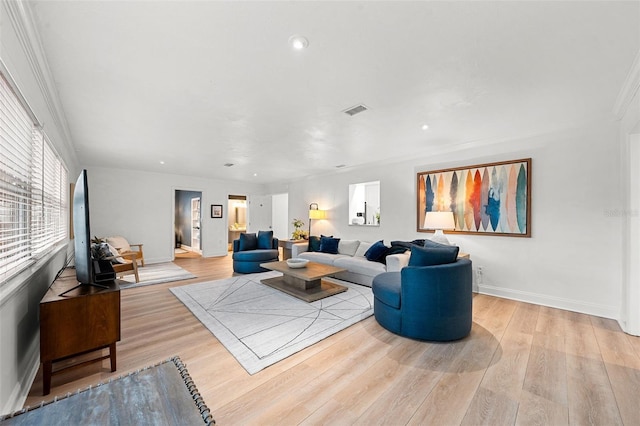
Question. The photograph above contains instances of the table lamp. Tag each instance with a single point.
(439, 221)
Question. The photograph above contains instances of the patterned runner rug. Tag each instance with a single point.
(260, 325)
(163, 394)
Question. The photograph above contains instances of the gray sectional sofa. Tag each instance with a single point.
(351, 256)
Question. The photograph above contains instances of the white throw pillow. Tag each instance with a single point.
(362, 248)
(348, 247)
(114, 252)
(120, 243)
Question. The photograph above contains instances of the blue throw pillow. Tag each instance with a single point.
(433, 244)
(248, 242)
(427, 256)
(377, 252)
(314, 243)
(329, 245)
(265, 240)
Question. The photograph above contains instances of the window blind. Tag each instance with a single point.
(33, 188)
(15, 185)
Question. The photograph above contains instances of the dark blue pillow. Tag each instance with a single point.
(396, 250)
(265, 240)
(377, 252)
(408, 244)
(426, 256)
(314, 243)
(329, 245)
(248, 242)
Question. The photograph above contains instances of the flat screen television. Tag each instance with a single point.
(84, 263)
(82, 230)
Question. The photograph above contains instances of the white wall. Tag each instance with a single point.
(572, 261)
(140, 207)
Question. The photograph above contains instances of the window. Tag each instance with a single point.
(33, 188)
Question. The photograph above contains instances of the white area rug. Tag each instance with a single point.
(260, 325)
(156, 273)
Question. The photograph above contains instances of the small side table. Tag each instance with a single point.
(286, 247)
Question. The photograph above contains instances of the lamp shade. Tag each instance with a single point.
(439, 220)
(317, 214)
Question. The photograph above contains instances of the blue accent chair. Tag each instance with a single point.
(248, 262)
(426, 302)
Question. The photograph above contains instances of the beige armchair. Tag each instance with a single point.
(122, 264)
(125, 249)
(128, 264)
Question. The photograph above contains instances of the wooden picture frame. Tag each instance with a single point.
(216, 211)
(486, 199)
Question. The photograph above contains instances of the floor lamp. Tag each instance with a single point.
(315, 213)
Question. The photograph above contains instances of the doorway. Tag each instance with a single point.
(187, 224)
(257, 213)
(237, 217)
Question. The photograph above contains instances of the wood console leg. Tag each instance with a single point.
(112, 355)
(47, 367)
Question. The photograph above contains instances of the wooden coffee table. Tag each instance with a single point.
(304, 283)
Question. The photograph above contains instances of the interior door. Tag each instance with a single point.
(259, 216)
(195, 224)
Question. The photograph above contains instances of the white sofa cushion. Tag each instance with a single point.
(360, 265)
(325, 258)
(348, 247)
(362, 248)
(395, 262)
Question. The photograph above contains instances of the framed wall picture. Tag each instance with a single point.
(216, 211)
(489, 199)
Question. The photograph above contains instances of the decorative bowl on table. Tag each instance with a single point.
(297, 263)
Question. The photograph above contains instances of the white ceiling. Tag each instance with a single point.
(198, 84)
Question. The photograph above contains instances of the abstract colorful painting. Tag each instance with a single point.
(490, 198)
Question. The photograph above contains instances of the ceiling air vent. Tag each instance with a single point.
(228, 164)
(355, 110)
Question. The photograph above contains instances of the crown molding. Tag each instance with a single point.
(629, 89)
(22, 20)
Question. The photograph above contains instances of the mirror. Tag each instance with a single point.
(364, 204)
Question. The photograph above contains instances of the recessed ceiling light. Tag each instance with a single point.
(255, 174)
(425, 127)
(298, 42)
(161, 162)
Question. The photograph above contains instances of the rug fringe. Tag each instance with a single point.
(193, 390)
(205, 412)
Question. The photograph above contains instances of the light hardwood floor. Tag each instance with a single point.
(522, 364)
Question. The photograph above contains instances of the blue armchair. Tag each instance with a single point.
(426, 302)
(249, 251)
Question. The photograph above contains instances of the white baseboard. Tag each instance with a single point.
(599, 310)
